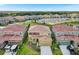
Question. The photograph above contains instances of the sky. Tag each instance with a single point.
(39, 7)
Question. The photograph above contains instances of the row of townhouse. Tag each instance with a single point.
(64, 33)
(11, 19)
(56, 17)
(66, 30)
(12, 34)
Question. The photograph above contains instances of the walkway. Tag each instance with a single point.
(64, 49)
(45, 50)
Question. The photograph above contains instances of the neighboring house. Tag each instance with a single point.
(12, 34)
(20, 18)
(3, 21)
(65, 30)
(64, 34)
(40, 35)
(6, 20)
(13, 29)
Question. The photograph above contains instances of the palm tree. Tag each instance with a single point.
(71, 42)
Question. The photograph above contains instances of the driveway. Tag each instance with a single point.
(64, 49)
(46, 50)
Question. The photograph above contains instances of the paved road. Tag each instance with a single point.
(45, 50)
(64, 50)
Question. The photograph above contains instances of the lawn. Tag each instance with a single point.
(2, 52)
(56, 50)
(25, 50)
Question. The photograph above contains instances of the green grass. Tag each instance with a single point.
(2, 52)
(25, 50)
(55, 49)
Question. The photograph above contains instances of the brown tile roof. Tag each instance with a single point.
(39, 28)
(14, 28)
(11, 29)
(64, 28)
(10, 38)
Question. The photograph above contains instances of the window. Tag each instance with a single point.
(34, 33)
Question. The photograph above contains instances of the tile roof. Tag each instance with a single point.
(13, 28)
(10, 38)
(39, 28)
(64, 28)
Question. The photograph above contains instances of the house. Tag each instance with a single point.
(65, 29)
(3, 21)
(65, 33)
(12, 34)
(6, 20)
(20, 18)
(40, 35)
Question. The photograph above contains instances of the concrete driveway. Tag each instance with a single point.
(46, 50)
(64, 49)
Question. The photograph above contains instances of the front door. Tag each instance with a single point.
(37, 42)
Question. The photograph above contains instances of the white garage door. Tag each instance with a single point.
(45, 50)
